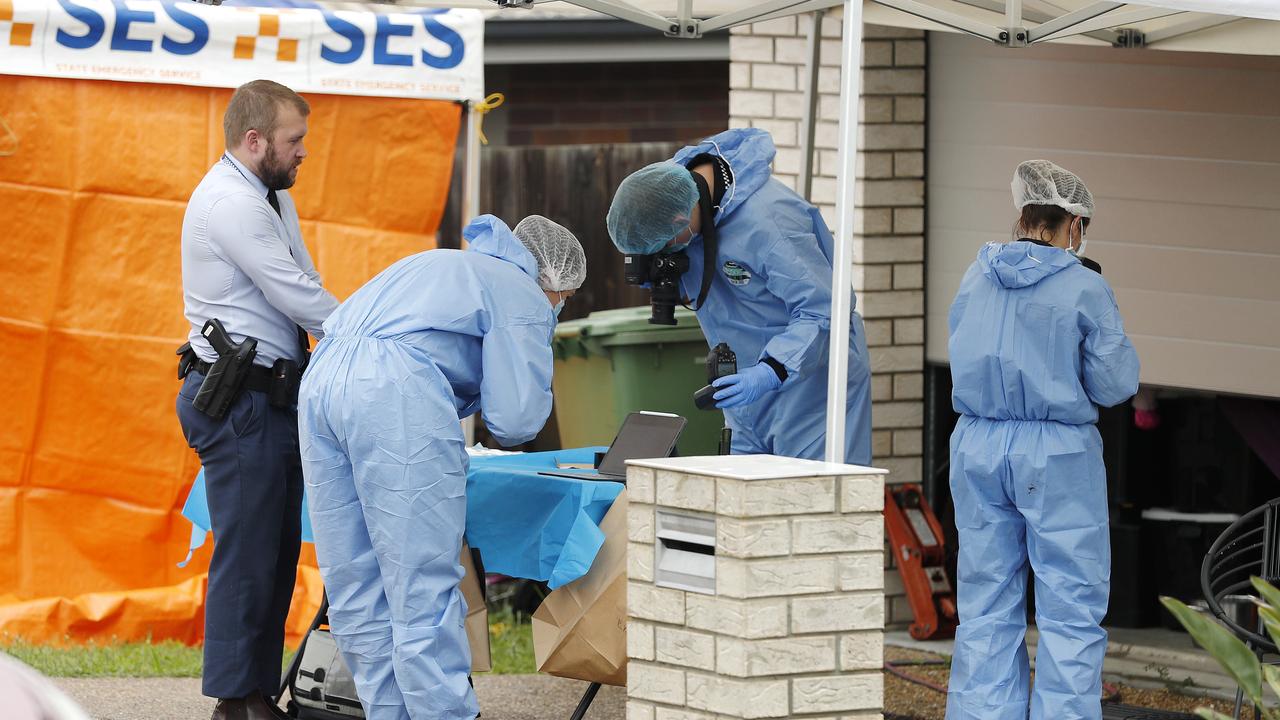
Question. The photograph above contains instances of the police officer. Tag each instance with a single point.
(244, 264)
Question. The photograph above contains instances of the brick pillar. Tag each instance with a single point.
(766, 76)
(793, 624)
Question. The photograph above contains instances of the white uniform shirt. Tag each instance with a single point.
(248, 267)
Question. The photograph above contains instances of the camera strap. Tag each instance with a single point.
(710, 238)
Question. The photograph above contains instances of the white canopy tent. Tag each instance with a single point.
(1228, 26)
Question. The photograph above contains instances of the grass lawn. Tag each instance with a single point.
(135, 659)
(510, 641)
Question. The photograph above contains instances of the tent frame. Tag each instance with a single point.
(471, 119)
(1105, 21)
(1098, 20)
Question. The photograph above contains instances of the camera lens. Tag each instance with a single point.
(663, 299)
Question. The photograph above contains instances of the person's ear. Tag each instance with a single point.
(253, 140)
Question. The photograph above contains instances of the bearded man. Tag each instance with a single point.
(245, 266)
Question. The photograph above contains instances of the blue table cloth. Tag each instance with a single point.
(524, 524)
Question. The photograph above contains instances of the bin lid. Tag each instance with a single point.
(624, 320)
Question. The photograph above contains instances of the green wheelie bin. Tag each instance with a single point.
(613, 362)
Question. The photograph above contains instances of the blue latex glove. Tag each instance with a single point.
(746, 387)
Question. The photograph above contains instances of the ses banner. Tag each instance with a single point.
(310, 47)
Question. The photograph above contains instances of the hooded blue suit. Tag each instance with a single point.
(771, 296)
(433, 338)
(1036, 346)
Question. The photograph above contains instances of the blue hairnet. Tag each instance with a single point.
(652, 205)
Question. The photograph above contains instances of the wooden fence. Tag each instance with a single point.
(573, 185)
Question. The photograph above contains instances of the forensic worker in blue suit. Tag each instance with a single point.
(767, 292)
(432, 339)
(1036, 346)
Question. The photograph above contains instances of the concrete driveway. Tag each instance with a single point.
(502, 697)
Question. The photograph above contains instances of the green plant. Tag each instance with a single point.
(1232, 654)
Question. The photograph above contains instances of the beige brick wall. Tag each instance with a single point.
(766, 81)
(794, 629)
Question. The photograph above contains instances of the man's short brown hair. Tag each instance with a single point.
(256, 106)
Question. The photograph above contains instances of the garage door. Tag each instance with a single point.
(1182, 153)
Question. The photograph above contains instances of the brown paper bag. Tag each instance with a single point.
(580, 630)
(477, 621)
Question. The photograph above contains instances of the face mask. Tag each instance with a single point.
(1083, 241)
(559, 306)
(677, 243)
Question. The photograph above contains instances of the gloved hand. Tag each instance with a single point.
(746, 387)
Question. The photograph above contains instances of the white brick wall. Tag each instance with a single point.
(637, 710)
(795, 628)
(738, 498)
(640, 523)
(855, 572)
(687, 492)
(838, 534)
(741, 658)
(768, 577)
(767, 83)
(640, 640)
(655, 683)
(862, 651)
(850, 611)
(757, 698)
(837, 694)
(672, 714)
(684, 648)
(640, 485)
(650, 602)
(751, 619)
(752, 538)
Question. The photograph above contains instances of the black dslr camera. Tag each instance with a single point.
(662, 273)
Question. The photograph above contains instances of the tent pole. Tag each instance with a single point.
(471, 168)
(470, 207)
(842, 263)
(1013, 14)
(810, 120)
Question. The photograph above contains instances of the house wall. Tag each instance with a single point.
(766, 79)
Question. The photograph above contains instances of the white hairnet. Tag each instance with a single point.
(1040, 182)
(562, 265)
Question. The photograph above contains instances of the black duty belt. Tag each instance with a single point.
(258, 379)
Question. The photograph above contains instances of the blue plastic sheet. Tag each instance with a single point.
(524, 524)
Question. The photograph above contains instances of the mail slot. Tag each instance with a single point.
(685, 552)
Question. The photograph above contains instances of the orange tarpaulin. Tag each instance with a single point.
(93, 467)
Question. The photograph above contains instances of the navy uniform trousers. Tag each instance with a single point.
(253, 474)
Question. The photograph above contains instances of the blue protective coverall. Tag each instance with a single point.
(1036, 345)
(771, 296)
(431, 339)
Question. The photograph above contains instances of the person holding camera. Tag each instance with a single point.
(251, 294)
(712, 224)
(432, 339)
(1037, 344)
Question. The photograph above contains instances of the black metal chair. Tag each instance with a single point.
(1248, 547)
